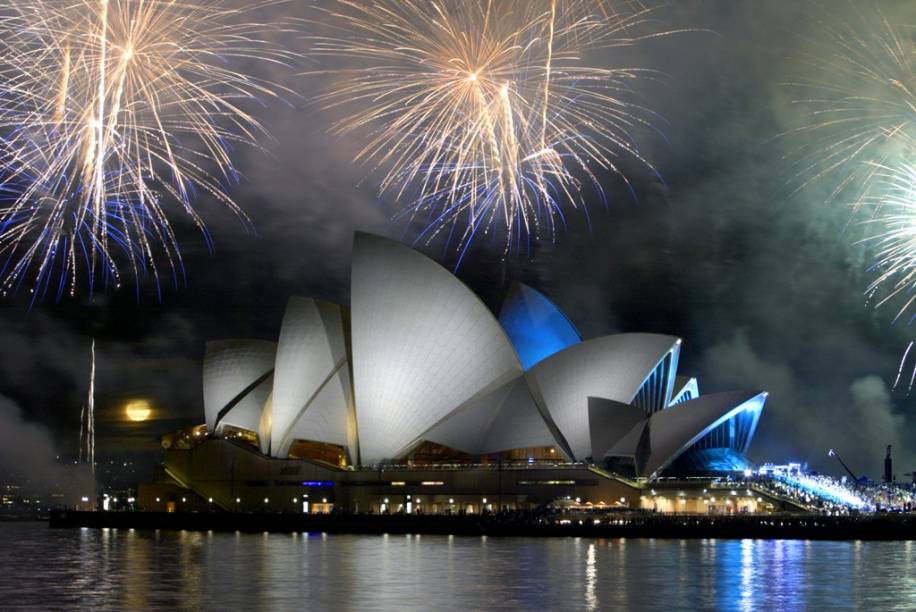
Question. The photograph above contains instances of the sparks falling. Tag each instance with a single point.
(859, 107)
(485, 116)
(894, 241)
(860, 139)
(111, 112)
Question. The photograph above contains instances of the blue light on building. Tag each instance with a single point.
(708, 460)
(536, 327)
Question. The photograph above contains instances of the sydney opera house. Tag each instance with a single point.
(417, 397)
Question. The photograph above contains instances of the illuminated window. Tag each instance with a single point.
(332, 454)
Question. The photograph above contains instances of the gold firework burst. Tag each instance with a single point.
(485, 115)
(111, 110)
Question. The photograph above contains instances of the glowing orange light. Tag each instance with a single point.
(138, 410)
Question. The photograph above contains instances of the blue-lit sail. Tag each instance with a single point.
(536, 327)
(738, 431)
(685, 389)
(708, 460)
(653, 395)
(722, 448)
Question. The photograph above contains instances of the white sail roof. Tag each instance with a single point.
(503, 420)
(610, 367)
(423, 345)
(236, 381)
(310, 356)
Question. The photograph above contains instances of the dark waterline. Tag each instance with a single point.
(43, 568)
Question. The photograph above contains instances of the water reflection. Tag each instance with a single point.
(746, 602)
(591, 580)
(186, 570)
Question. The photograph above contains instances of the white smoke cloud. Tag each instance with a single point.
(873, 414)
(27, 457)
(803, 418)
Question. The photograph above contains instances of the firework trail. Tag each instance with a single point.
(87, 420)
(902, 366)
(111, 112)
(483, 116)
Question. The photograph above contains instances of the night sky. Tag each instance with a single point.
(764, 285)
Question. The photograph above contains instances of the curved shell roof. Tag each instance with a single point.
(236, 381)
(327, 417)
(503, 420)
(310, 356)
(424, 359)
(610, 367)
(674, 430)
(264, 425)
(685, 388)
(423, 345)
(519, 424)
(537, 328)
(609, 422)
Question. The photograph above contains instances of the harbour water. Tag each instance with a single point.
(42, 568)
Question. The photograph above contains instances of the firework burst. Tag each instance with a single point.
(484, 116)
(861, 139)
(111, 111)
(859, 107)
(895, 239)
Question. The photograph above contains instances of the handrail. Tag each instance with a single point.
(617, 477)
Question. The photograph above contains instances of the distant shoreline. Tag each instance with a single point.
(777, 526)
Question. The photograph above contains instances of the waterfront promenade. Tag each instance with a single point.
(617, 525)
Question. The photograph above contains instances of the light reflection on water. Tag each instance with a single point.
(42, 568)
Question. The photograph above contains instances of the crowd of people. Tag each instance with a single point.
(890, 496)
(825, 493)
(820, 492)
